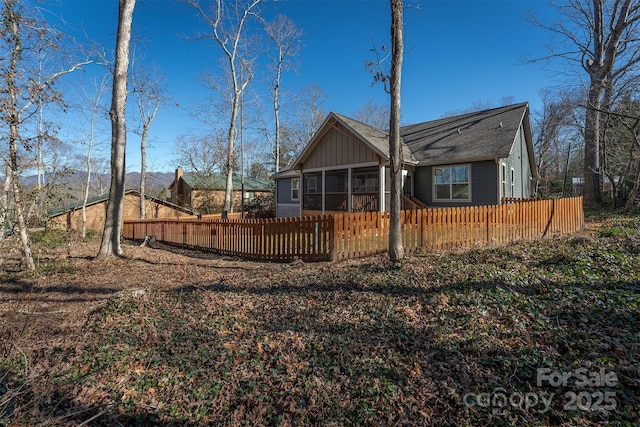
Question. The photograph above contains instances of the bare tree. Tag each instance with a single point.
(391, 82)
(227, 21)
(149, 90)
(110, 245)
(94, 104)
(396, 250)
(200, 154)
(635, 134)
(25, 90)
(373, 114)
(602, 37)
(552, 126)
(306, 117)
(285, 43)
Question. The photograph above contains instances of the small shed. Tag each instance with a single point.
(70, 217)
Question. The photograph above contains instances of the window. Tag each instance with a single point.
(365, 182)
(451, 183)
(295, 188)
(513, 182)
(504, 180)
(312, 184)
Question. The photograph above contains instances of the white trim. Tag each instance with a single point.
(315, 184)
(324, 185)
(502, 176)
(451, 199)
(512, 181)
(292, 179)
(463, 161)
(339, 167)
(381, 182)
(349, 201)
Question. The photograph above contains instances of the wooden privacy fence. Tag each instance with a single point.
(280, 239)
(353, 235)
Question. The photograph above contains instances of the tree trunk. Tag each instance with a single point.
(12, 25)
(231, 142)
(396, 250)
(276, 113)
(636, 183)
(110, 245)
(88, 183)
(4, 201)
(143, 171)
(17, 201)
(592, 193)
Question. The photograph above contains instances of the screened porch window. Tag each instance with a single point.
(365, 182)
(312, 191)
(452, 183)
(336, 191)
(365, 186)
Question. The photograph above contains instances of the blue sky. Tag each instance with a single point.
(456, 53)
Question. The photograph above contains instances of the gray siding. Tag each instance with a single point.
(519, 161)
(284, 190)
(285, 207)
(484, 185)
(287, 211)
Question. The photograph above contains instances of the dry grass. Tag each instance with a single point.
(178, 337)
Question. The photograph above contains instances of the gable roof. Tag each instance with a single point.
(376, 139)
(219, 183)
(482, 135)
(478, 136)
(104, 197)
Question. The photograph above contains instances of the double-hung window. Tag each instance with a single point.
(513, 182)
(452, 183)
(295, 188)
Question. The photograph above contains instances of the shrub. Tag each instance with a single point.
(49, 238)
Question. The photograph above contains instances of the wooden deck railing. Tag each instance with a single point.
(360, 234)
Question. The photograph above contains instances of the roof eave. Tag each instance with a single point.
(465, 160)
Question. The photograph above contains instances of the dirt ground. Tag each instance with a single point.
(157, 267)
(171, 336)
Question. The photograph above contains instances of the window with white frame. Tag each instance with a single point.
(513, 182)
(312, 184)
(452, 183)
(503, 176)
(295, 188)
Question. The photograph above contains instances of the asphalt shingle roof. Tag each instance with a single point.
(103, 197)
(477, 136)
(481, 135)
(376, 137)
(219, 183)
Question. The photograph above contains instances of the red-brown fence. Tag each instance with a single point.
(354, 235)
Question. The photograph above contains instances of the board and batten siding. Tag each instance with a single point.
(519, 161)
(339, 147)
(484, 188)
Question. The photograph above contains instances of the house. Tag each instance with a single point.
(471, 159)
(70, 217)
(205, 194)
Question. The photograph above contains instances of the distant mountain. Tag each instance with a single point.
(156, 181)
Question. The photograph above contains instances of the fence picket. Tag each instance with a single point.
(343, 236)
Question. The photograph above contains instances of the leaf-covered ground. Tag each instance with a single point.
(175, 337)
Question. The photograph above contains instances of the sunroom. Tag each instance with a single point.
(358, 189)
